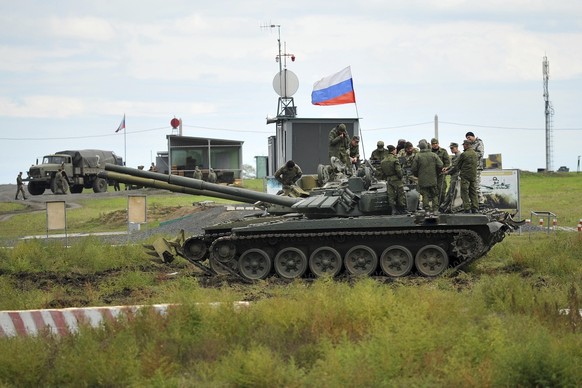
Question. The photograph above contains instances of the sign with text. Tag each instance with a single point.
(501, 189)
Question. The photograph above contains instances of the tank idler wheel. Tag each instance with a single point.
(431, 260)
(291, 263)
(255, 264)
(396, 261)
(325, 261)
(361, 261)
(219, 267)
(224, 251)
(195, 249)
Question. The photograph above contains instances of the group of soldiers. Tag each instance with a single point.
(424, 167)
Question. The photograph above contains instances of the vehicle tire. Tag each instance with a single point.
(35, 188)
(99, 185)
(76, 189)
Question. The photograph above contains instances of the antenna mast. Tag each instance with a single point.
(549, 112)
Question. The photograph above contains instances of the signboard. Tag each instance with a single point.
(56, 216)
(136, 205)
(501, 189)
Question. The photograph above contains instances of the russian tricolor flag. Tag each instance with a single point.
(335, 89)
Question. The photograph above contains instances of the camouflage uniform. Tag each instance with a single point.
(339, 145)
(406, 163)
(426, 166)
(392, 173)
(197, 173)
(19, 186)
(287, 176)
(479, 148)
(466, 166)
(454, 174)
(355, 152)
(441, 181)
(377, 157)
(212, 176)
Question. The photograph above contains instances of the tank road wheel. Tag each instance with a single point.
(223, 251)
(468, 245)
(99, 185)
(195, 249)
(361, 260)
(431, 260)
(290, 263)
(396, 261)
(218, 267)
(255, 264)
(325, 261)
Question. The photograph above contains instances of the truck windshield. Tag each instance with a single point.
(53, 159)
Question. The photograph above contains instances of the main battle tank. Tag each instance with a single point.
(344, 227)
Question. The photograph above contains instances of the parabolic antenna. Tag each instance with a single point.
(285, 83)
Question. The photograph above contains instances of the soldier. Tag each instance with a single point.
(58, 182)
(479, 147)
(451, 192)
(287, 175)
(339, 145)
(376, 158)
(406, 156)
(20, 186)
(212, 176)
(355, 152)
(153, 168)
(401, 145)
(392, 173)
(466, 165)
(427, 166)
(444, 157)
(197, 173)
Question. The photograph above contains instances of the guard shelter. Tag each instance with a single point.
(185, 153)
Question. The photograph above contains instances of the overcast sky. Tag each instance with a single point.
(70, 70)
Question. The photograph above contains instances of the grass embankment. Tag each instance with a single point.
(497, 324)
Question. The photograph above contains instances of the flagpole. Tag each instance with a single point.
(360, 130)
(124, 144)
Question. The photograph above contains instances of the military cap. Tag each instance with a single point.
(453, 144)
(423, 144)
(341, 127)
(357, 138)
(466, 142)
(408, 144)
(391, 148)
(469, 134)
(434, 140)
(380, 144)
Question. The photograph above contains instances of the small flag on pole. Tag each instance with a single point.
(335, 89)
(121, 125)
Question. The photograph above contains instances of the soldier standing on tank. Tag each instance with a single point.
(376, 158)
(287, 175)
(339, 146)
(20, 186)
(427, 166)
(444, 157)
(406, 157)
(401, 145)
(197, 173)
(466, 166)
(355, 152)
(479, 147)
(450, 196)
(392, 173)
(212, 176)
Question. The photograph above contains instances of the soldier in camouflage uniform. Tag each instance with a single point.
(479, 147)
(392, 174)
(355, 152)
(377, 157)
(197, 173)
(450, 197)
(406, 156)
(339, 146)
(20, 186)
(427, 166)
(466, 165)
(287, 175)
(444, 157)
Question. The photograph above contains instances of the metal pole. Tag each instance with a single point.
(436, 126)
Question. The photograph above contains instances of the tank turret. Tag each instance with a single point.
(346, 227)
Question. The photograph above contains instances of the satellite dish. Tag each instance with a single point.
(285, 83)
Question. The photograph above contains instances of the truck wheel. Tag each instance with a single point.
(34, 188)
(99, 185)
(53, 185)
(76, 189)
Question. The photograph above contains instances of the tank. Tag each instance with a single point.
(345, 227)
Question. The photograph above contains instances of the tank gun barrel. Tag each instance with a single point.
(206, 188)
(148, 182)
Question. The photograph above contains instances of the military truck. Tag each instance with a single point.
(80, 170)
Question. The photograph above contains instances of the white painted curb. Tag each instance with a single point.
(65, 321)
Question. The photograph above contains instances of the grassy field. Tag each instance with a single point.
(499, 323)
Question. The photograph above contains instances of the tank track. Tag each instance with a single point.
(463, 246)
